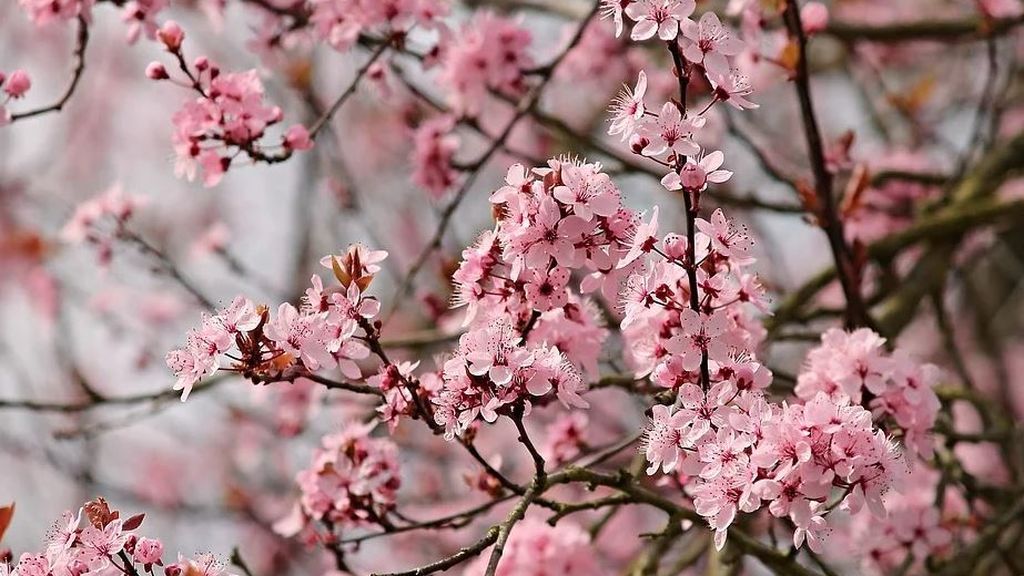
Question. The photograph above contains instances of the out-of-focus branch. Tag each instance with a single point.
(104, 401)
(968, 210)
(972, 28)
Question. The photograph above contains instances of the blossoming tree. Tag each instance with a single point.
(511, 287)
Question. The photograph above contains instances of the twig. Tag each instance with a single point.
(81, 43)
(849, 277)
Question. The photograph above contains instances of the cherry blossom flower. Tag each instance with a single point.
(696, 173)
(16, 84)
(710, 44)
(546, 290)
(658, 17)
(352, 479)
(140, 17)
(700, 335)
(537, 549)
(670, 131)
(488, 53)
(644, 239)
(43, 12)
(586, 192)
(733, 89)
(613, 9)
(628, 108)
(492, 369)
(434, 148)
(733, 244)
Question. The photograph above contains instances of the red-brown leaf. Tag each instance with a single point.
(6, 515)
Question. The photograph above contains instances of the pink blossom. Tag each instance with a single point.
(696, 173)
(297, 138)
(700, 335)
(644, 239)
(814, 17)
(537, 549)
(733, 89)
(140, 16)
(434, 147)
(148, 551)
(17, 84)
(628, 108)
(546, 290)
(305, 336)
(658, 17)
(710, 44)
(352, 479)
(670, 131)
(488, 53)
(43, 12)
(733, 244)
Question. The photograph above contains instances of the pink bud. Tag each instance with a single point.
(156, 71)
(201, 63)
(2, 77)
(17, 84)
(814, 16)
(297, 138)
(693, 177)
(637, 143)
(148, 551)
(171, 35)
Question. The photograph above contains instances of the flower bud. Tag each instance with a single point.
(814, 17)
(297, 138)
(18, 83)
(171, 35)
(156, 71)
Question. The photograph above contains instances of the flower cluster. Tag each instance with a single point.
(228, 116)
(488, 53)
(670, 339)
(101, 219)
(340, 23)
(105, 544)
(856, 365)
(913, 532)
(740, 452)
(434, 147)
(14, 86)
(537, 549)
(351, 481)
(43, 12)
(293, 342)
(492, 371)
(551, 221)
(566, 437)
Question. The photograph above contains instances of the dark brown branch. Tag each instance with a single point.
(857, 313)
(81, 43)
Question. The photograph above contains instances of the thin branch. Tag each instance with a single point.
(81, 43)
(522, 110)
(344, 96)
(857, 313)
